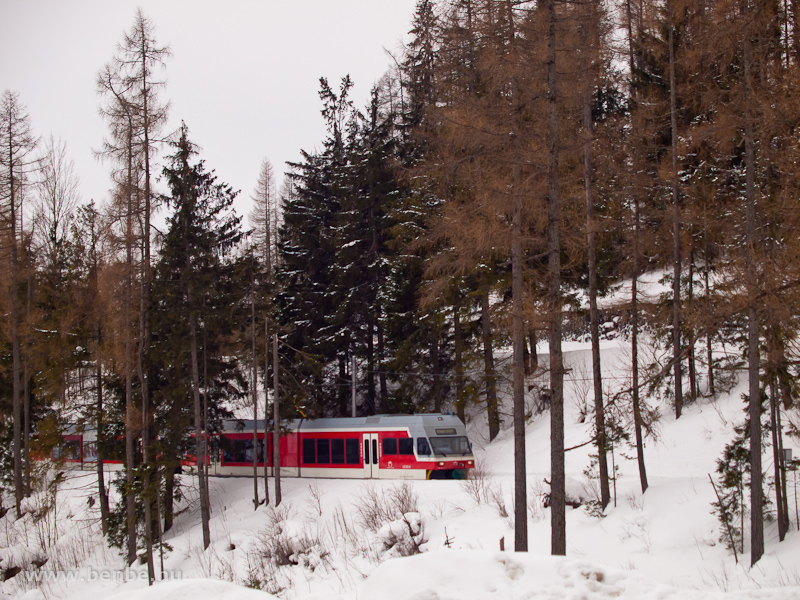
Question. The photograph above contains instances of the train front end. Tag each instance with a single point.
(445, 448)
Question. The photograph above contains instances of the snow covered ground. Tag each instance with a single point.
(343, 539)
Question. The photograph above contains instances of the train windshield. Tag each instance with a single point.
(451, 446)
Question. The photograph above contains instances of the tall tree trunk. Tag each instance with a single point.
(343, 386)
(266, 411)
(100, 427)
(276, 436)
(779, 427)
(776, 455)
(518, 340)
(204, 397)
(371, 361)
(526, 357)
(200, 441)
(169, 496)
(382, 376)
(709, 349)
(488, 365)
(16, 419)
(144, 319)
(691, 340)
(436, 369)
(558, 525)
(676, 223)
(147, 462)
(254, 383)
(637, 166)
(26, 386)
(130, 411)
(638, 425)
(461, 401)
(785, 389)
(592, 48)
(753, 324)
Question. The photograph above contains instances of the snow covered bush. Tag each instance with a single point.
(284, 544)
(393, 515)
(575, 491)
(477, 484)
(286, 541)
(403, 536)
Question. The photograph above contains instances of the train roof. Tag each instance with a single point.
(416, 422)
(373, 422)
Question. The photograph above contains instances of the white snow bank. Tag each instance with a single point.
(485, 575)
(193, 589)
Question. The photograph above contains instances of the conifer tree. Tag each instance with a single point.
(17, 162)
(197, 271)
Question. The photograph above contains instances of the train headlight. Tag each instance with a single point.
(470, 463)
(440, 463)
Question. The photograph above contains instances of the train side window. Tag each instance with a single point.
(406, 446)
(390, 446)
(309, 452)
(423, 448)
(374, 452)
(238, 451)
(337, 452)
(366, 452)
(323, 452)
(351, 451)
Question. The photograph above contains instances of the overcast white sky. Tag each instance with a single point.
(244, 75)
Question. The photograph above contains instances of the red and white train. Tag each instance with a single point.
(423, 446)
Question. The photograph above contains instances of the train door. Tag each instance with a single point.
(370, 455)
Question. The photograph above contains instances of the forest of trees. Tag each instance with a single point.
(519, 160)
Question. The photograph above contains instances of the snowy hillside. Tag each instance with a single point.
(341, 539)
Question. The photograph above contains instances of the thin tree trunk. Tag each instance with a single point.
(488, 363)
(382, 376)
(254, 383)
(101, 484)
(783, 484)
(144, 347)
(371, 361)
(692, 368)
(776, 457)
(637, 166)
(534, 354)
(343, 385)
(26, 386)
(709, 349)
(558, 525)
(276, 436)
(205, 410)
(169, 501)
(637, 411)
(676, 223)
(16, 419)
(526, 357)
(591, 234)
(461, 401)
(147, 496)
(518, 333)
(130, 418)
(266, 411)
(753, 325)
(205, 512)
(436, 370)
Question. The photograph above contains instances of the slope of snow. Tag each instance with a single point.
(662, 544)
(482, 575)
(193, 589)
